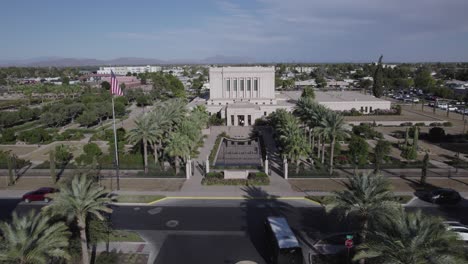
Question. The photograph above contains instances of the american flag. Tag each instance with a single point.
(115, 88)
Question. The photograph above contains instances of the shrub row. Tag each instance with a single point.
(217, 178)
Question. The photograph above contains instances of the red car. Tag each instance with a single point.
(39, 195)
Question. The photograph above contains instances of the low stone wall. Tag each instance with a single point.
(236, 174)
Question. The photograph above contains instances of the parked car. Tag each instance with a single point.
(415, 100)
(457, 227)
(444, 196)
(40, 194)
(452, 108)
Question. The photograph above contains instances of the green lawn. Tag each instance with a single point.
(125, 236)
(138, 198)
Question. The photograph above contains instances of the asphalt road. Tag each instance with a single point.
(226, 231)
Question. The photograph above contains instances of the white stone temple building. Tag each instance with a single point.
(243, 94)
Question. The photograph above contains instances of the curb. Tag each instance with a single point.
(216, 198)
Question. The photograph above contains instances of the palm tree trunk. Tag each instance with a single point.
(297, 166)
(84, 242)
(323, 151)
(332, 150)
(318, 146)
(145, 156)
(177, 165)
(313, 145)
(155, 148)
(365, 226)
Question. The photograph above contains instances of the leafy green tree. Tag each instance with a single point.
(62, 154)
(358, 151)
(143, 134)
(143, 100)
(8, 136)
(25, 113)
(320, 81)
(77, 201)
(365, 84)
(423, 79)
(332, 126)
(33, 239)
(425, 165)
(73, 110)
(381, 150)
(308, 92)
(87, 118)
(106, 85)
(367, 198)
(411, 238)
(377, 89)
(65, 80)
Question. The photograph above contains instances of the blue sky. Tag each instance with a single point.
(267, 30)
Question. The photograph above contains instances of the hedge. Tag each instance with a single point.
(258, 178)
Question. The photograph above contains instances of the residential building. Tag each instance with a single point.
(123, 70)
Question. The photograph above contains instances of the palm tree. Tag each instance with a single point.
(333, 128)
(144, 133)
(293, 140)
(160, 125)
(78, 200)
(33, 239)
(411, 238)
(318, 114)
(304, 109)
(178, 147)
(367, 197)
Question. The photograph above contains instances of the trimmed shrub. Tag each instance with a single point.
(435, 124)
(215, 175)
(436, 134)
(420, 124)
(407, 124)
(447, 124)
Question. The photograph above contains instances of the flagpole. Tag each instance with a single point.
(116, 152)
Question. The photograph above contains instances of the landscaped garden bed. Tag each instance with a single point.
(254, 178)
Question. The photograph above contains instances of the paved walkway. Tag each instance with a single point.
(278, 185)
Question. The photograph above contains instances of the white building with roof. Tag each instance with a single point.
(123, 70)
(243, 94)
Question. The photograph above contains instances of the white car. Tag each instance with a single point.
(415, 100)
(457, 227)
(452, 108)
(442, 106)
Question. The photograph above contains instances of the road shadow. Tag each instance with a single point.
(8, 207)
(257, 206)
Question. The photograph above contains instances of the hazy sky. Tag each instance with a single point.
(268, 30)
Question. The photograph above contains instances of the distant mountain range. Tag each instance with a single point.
(72, 62)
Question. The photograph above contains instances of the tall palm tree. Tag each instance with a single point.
(33, 239)
(178, 147)
(317, 116)
(411, 238)
(367, 197)
(293, 140)
(77, 200)
(304, 109)
(145, 134)
(160, 125)
(333, 128)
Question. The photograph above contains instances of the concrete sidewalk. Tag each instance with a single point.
(125, 247)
